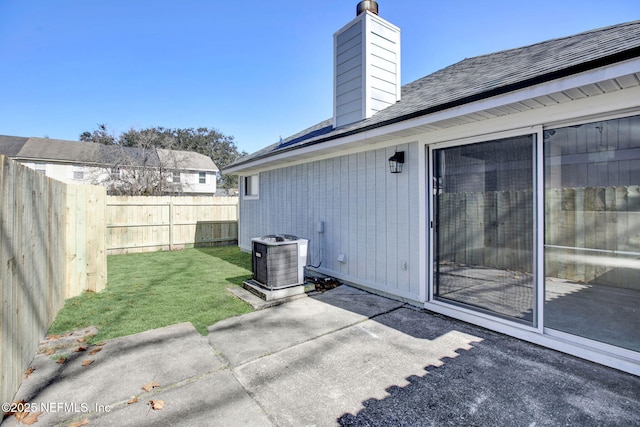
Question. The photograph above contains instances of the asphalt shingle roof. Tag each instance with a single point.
(46, 149)
(481, 77)
(11, 145)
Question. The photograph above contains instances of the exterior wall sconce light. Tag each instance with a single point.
(396, 161)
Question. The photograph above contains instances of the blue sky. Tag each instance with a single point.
(256, 70)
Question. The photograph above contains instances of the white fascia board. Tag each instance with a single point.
(582, 79)
(586, 78)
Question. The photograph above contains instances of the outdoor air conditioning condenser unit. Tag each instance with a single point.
(278, 261)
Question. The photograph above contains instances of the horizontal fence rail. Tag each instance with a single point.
(145, 224)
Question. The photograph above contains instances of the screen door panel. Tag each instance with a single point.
(483, 199)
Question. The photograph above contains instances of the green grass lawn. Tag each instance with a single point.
(151, 290)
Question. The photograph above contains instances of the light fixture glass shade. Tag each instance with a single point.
(396, 161)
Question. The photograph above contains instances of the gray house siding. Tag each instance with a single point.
(370, 215)
(527, 156)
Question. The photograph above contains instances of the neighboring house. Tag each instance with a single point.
(182, 172)
(518, 204)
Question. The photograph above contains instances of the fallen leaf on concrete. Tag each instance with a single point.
(132, 400)
(49, 352)
(150, 386)
(95, 350)
(30, 418)
(101, 343)
(29, 372)
(15, 404)
(61, 359)
(79, 423)
(79, 349)
(156, 405)
(87, 362)
(80, 339)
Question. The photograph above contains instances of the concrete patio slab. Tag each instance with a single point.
(166, 356)
(213, 399)
(245, 338)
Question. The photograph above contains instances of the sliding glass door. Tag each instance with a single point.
(483, 227)
(592, 231)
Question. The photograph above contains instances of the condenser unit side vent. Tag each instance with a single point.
(278, 262)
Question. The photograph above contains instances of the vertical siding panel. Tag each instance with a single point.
(370, 215)
(298, 205)
(285, 202)
(382, 222)
(352, 229)
(315, 210)
(392, 226)
(305, 187)
(344, 217)
(260, 206)
(324, 207)
(315, 203)
(360, 208)
(332, 227)
(404, 229)
(275, 202)
(414, 218)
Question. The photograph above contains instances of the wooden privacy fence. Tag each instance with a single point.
(52, 247)
(145, 224)
(591, 234)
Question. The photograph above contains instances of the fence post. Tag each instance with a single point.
(171, 223)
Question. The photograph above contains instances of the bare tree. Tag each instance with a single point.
(138, 171)
(222, 149)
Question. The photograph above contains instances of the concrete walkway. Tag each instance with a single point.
(344, 357)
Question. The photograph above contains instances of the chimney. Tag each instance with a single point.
(366, 68)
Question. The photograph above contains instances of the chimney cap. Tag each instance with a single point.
(370, 5)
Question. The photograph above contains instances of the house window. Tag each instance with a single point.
(114, 173)
(78, 175)
(202, 177)
(251, 187)
(176, 177)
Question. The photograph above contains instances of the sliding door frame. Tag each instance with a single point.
(467, 314)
